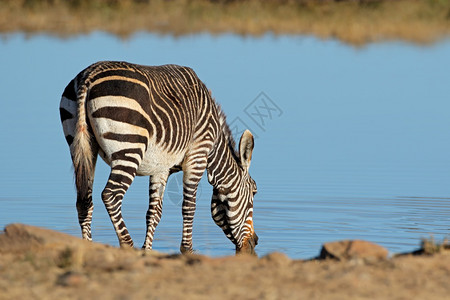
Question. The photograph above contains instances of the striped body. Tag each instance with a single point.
(154, 121)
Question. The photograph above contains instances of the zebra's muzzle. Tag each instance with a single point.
(248, 246)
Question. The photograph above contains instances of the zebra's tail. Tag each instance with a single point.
(82, 154)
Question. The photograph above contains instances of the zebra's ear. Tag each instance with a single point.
(246, 148)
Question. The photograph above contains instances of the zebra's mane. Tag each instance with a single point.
(227, 132)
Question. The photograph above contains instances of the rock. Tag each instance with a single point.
(18, 237)
(353, 249)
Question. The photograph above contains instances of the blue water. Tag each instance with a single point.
(350, 142)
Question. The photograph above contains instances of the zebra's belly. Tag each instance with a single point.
(158, 160)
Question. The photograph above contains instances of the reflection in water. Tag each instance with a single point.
(351, 143)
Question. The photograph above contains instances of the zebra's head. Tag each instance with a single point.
(232, 207)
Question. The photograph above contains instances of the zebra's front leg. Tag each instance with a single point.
(154, 212)
(191, 179)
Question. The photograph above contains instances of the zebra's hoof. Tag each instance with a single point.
(186, 250)
(127, 245)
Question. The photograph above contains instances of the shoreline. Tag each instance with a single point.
(355, 22)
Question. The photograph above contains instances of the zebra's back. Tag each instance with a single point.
(154, 112)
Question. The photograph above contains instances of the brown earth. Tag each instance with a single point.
(36, 263)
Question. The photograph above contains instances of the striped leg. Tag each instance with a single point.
(118, 183)
(85, 207)
(154, 212)
(191, 178)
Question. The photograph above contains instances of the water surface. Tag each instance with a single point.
(350, 142)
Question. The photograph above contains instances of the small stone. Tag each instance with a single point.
(70, 279)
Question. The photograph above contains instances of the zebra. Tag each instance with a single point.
(155, 121)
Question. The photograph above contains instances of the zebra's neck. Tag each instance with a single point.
(223, 165)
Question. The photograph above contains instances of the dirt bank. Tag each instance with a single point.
(37, 263)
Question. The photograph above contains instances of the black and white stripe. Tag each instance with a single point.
(156, 121)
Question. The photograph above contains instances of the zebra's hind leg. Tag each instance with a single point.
(154, 212)
(85, 207)
(118, 183)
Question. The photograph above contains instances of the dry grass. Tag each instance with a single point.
(355, 22)
(430, 246)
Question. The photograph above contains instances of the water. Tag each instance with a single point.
(350, 142)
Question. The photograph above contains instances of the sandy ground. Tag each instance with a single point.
(37, 263)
